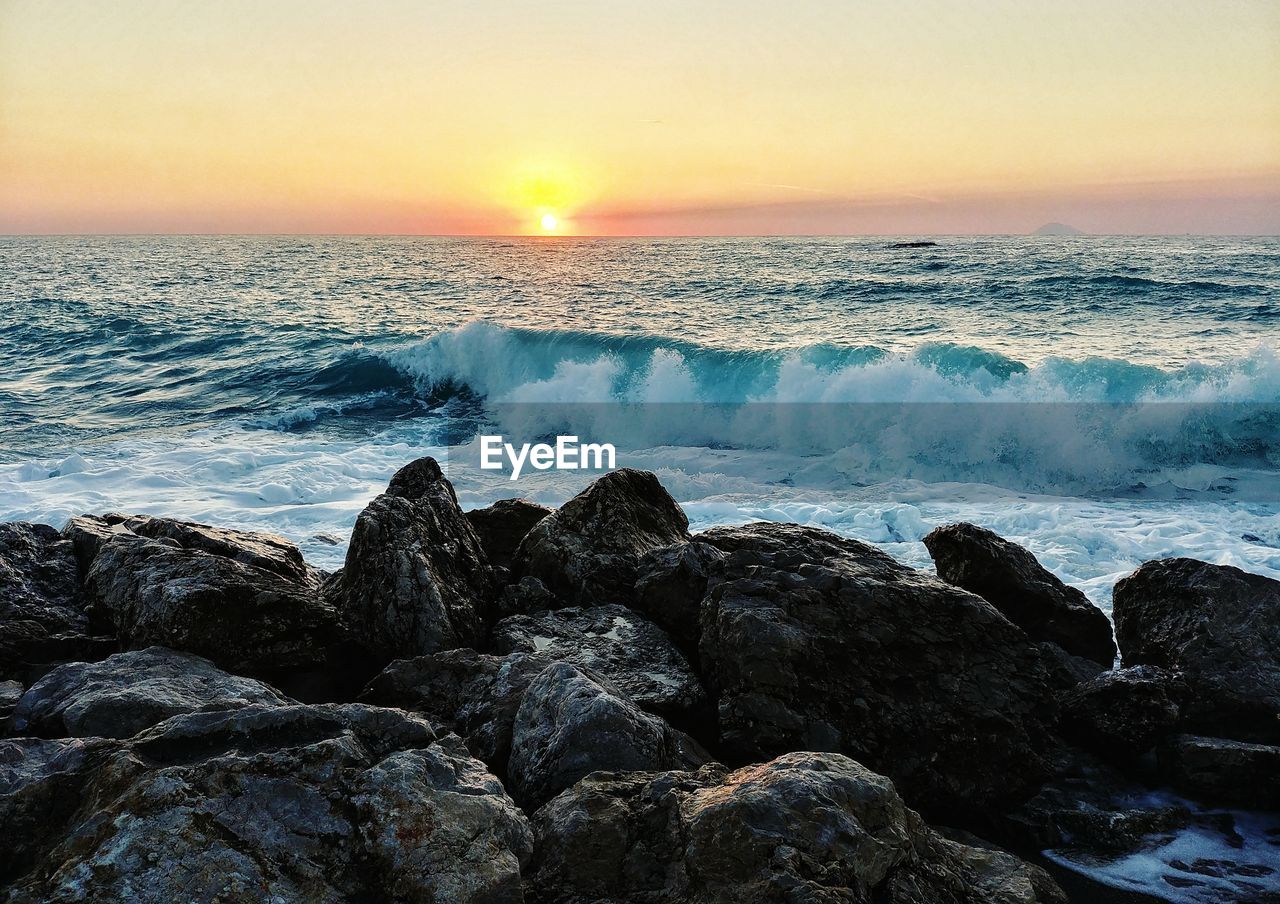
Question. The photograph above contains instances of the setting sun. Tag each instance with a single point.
(549, 222)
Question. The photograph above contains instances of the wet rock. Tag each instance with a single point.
(10, 694)
(1122, 714)
(416, 579)
(127, 692)
(474, 694)
(43, 613)
(670, 584)
(1217, 625)
(1009, 577)
(633, 653)
(503, 525)
(814, 642)
(1221, 772)
(525, 596)
(295, 803)
(586, 551)
(573, 722)
(804, 827)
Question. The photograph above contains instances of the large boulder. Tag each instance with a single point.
(416, 579)
(670, 584)
(572, 722)
(503, 525)
(804, 827)
(1222, 772)
(295, 803)
(1009, 577)
(127, 692)
(815, 642)
(1217, 625)
(43, 614)
(586, 551)
(633, 653)
(1124, 713)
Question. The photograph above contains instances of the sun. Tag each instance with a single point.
(549, 222)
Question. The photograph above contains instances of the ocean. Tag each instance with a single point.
(1102, 400)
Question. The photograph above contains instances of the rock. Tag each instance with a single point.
(1009, 577)
(43, 613)
(586, 551)
(10, 694)
(573, 722)
(472, 693)
(503, 525)
(1221, 772)
(243, 617)
(1122, 714)
(416, 579)
(804, 827)
(814, 642)
(127, 692)
(1067, 671)
(294, 803)
(670, 584)
(633, 653)
(525, 596)
(1217, 625)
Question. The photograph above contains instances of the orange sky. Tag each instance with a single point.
(662, 117)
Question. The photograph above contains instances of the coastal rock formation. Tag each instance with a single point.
(127, 692)
(315, 803)
(803, 827)
(814, 642)
(587, 550)
(503, 525)
(1220, 628)
(670, 584)
(416, 579)
(1008, 577)
(633, 653)
(1223, 772)
(572, 722)
(1123, 713)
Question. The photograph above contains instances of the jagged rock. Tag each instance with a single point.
(43, 614)
(1217, 625)
(472, 693)
(243, 617)
(525, 596)
(670, 584)
(294, 803)
(804, 827)
(10, 694)
(633, 653)
(503, 525)
(1009, 577)
(814, 642)
(416, 579)
(572, 722)
(1221, 772)
(1067, 671)
(587, 550)
(1122, 713)
(127, 692)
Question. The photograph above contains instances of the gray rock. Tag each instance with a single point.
(586, 551)
(295, 803)
(572, 722)
(670, 584)
(633, 653)
(814, 642)
(1122, 714)
(503, 525)
(10, 694)
(1222, 772)
(127, 692)
(1220, 628)
(1009, 577)
(804, 827)
(416, 580)
(525, 596)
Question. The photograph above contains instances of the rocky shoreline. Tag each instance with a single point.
(592, 704)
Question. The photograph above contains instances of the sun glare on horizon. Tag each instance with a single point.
(549, 222)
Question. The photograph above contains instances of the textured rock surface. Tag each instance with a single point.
(633, 653)
(330, 803)
(416, 579)
(804, 827)
(587, 550)
(127, 692)
(670, 584)
(572, 723)
(1217, 625)
(815, 642)
(474, 694)
(1123, 713)
(10, 694)
(1009, 577)
(503, 525)
(1221, 772)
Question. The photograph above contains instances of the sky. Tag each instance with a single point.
(634, 118)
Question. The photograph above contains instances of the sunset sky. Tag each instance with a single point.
(655, 117)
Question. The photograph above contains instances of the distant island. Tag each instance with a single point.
(1057, 229)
